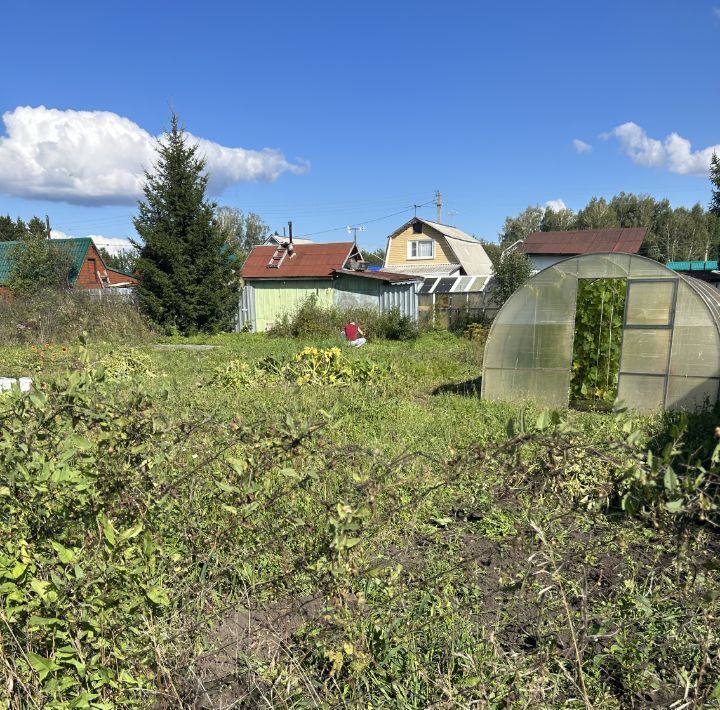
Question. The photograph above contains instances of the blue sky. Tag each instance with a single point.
(369, 107)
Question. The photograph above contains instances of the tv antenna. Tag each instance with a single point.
(355, 230)
(451, 217)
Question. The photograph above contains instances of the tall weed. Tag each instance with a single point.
(63, 316)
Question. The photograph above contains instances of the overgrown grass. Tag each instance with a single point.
(180, 535)
(60, 317)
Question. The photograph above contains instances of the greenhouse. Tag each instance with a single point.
(599, 329)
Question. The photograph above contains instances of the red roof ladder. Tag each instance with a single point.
(277, 257)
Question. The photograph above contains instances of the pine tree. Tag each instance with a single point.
(188, 280)
(714, 206)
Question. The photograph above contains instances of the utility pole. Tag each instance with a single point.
(438, 205)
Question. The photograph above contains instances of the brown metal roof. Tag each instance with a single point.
(307, 261)
(388, 276)
(585, 241)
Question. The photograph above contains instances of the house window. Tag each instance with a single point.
(417, 227)
(421, 249)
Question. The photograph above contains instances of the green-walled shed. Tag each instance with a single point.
(278, 279)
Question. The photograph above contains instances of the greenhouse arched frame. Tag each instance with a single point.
(611, 328)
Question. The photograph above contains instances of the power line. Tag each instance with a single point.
(367, 221)
(104, 222)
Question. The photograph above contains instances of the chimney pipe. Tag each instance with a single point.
(290, 231)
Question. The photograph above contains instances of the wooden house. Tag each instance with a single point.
(429, 249)
(88, 271)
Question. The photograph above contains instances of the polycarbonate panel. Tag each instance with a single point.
(476, 300)
(539, 312)
(710, 294)
(649, 303)
(462, 284)
(645, 393)
(548, 388)
(696, 342)
(549, 297)
(603, 266)
(643, 268)
(427, 285)
(457, 300)
(445, 284)
(479, 283)
(526, 345)
(691, 393)
(645, 350)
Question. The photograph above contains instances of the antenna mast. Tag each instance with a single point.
(354, 231)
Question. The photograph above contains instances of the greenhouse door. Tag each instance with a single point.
(596, 344)
(647, 337)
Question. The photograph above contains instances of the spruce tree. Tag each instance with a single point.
(714, 206)
(188, 280)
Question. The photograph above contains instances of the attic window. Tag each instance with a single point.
(421, 249)
(417, 227)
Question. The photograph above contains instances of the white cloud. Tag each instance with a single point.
(674, 153)
(581, 146)
(555, 205)
(112, 244)
(98, 157)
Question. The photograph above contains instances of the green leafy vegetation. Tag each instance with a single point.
(510, 272)
(188, 275)
(19, 230)
(310, 366)
(312, 320)
(61, 317)
(714, 207)
(39, 265)
(598, 338)
(123, 260)
(240, 232)
(174, 538)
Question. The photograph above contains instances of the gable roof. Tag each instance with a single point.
(585, 241)
(387, 276)
(78, 248)
(446, 230)
(307, 261)
(469, 252)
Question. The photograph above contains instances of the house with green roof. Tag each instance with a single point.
(89, 270)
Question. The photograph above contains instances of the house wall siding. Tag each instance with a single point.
(273, 299)
(398, 248)
(353, 292)
(87, 277)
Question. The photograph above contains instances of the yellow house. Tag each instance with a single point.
(429, 249)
